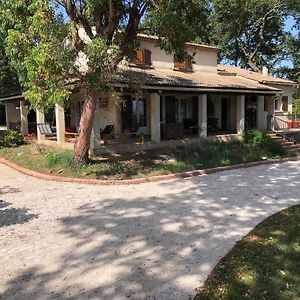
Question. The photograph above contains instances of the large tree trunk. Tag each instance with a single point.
(82, 144)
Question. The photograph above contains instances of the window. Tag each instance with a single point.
(186, 65)
(143, 57)
(285, 103)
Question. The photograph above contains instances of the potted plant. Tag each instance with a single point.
(293, 120)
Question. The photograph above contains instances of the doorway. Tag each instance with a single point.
(250, 112)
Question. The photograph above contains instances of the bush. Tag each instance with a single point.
(256, 138)
(59, 159)
(11, 139)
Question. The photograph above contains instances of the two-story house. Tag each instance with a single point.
(169, 100)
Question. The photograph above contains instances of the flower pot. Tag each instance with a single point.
(290, 124)
(296, 124)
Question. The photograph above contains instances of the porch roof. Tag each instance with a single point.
(189, 80)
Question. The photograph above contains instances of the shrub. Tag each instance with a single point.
(11, 139)
(59, 159)
(256, 138)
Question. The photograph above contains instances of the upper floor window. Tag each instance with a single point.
(143, 57)
(186, 65)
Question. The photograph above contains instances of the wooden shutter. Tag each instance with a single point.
(188, 61)
(139, 59)
(185, 65)
(147, 57)
(285, 103)
(179, 65)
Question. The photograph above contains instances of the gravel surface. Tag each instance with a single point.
(149, 241)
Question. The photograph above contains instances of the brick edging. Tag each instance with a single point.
(169, 177)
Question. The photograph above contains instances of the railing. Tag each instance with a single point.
(278, 124)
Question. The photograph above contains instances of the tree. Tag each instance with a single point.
(8, 78)
(251, 33)
(45, 49)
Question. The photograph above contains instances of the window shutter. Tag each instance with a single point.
(188, 61)
(147, 57)
(179, 65)
(285, 103)
(139, 59)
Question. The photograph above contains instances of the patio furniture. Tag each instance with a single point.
(46, 130)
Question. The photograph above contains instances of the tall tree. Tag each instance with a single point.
(45, 50)
(9, 83)
(251, 32)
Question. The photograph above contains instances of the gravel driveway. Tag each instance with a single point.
(149, 241)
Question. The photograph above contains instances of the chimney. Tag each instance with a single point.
(265, 71)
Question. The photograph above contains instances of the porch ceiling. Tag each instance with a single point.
(188, 80)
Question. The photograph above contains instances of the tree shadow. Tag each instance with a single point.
(11, 216)
(161, 244)
(8, 190)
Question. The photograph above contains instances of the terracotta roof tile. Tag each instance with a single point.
(171, 78)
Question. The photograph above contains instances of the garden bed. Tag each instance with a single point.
(202, 155)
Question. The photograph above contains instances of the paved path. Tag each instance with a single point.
(150, 241)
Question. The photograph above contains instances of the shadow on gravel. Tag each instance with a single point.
(147, 247)
(11, 216)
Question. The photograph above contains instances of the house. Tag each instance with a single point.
(170, 100)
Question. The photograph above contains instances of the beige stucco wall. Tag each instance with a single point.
(204, 59)
(287, 91)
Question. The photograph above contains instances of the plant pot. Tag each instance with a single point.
(290, 124)
(296, 124)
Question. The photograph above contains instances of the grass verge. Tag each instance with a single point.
(202, 155)
(264, 265)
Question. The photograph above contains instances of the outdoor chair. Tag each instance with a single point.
(46, 129)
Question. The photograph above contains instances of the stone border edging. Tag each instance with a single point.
(169, 177)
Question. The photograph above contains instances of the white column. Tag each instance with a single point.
(240, 114)
(40, 118)
(155, 117)
(60, 123)
(95, 141)
(24, 117)
(202, 115)
(261, 115)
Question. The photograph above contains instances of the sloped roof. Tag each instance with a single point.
(146, 37)
(259, 77)
(171, 78)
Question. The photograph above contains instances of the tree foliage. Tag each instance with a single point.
(48, 53)
(9, 83)
(251, 33)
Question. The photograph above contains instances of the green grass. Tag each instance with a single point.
(202, 155)
(264, 265)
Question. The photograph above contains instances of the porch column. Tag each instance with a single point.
(40, 118)
(202, 115)
(60, 123)
(24, 117)
(240, 114)
(261, 114)
(155, 117)
(95, 141)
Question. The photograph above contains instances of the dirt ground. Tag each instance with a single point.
(149, 241)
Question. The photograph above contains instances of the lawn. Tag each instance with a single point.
(202, 155)
(264, 265)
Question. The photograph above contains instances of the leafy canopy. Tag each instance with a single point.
(55, 43)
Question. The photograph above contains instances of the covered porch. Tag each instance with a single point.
(163, 118)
